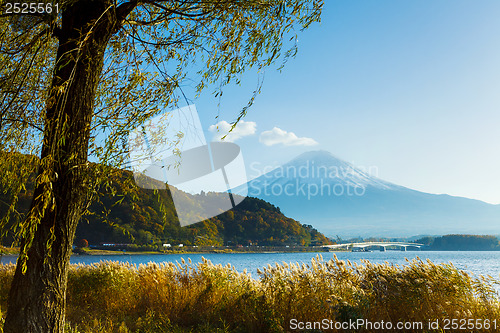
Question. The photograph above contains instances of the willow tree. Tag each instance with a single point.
(73, 70)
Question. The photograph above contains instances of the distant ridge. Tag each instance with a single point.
(331, 194)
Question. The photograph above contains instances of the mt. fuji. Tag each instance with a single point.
(337, 198)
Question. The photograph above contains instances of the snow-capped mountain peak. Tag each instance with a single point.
(338, 198)
(321, 168)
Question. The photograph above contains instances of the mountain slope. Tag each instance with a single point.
(339, 199)
(143, 217)
(252, 221)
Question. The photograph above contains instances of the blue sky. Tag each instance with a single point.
(409, 87)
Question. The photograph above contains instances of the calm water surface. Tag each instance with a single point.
(480, 262)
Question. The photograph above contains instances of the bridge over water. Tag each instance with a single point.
(380, 245)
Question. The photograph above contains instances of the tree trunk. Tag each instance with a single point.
(37, 298)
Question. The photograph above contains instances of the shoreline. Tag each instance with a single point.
(98, 252)
(207, 251)
(271, 250)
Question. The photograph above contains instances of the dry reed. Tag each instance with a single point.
(185, 297)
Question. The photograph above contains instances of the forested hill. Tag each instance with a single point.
(139, 219)
(461, 243)
(252, 221)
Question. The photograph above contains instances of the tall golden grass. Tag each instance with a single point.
(184, 297)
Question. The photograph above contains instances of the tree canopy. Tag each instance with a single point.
(153, 48)
(77, 75)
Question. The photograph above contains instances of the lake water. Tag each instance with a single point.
(477, 262)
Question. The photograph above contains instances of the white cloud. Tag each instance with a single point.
(277, 136)
(243, 128)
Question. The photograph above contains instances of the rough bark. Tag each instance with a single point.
(37, 298)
